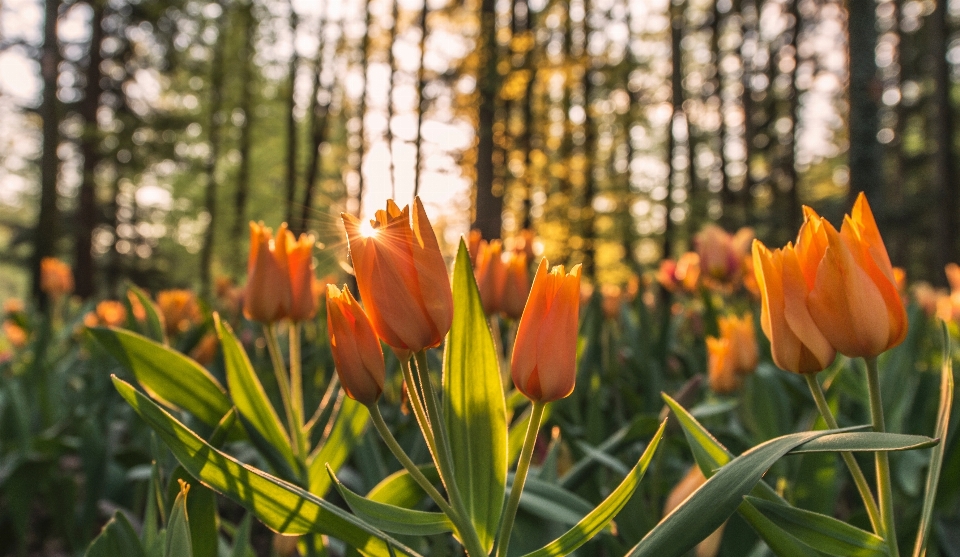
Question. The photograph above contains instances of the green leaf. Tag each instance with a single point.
(241, 539)
(518, 430)
(391, 518)
(936, 456)
(116, 538)
(598, 519)
(281, 506)
(202, 510)
(825, 533)
(178, 527)
(337, 444)
(167, 376)
(779, 541)
(249, 396)
(474, 408)
(551, 501)
(401, 489)
(865, 441)
(155, 327)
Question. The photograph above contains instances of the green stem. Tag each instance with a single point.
(296, 388)
(464, 528)
(884, 488)
(414, 399)
(519, 479)
(280, 372)
(858, 478)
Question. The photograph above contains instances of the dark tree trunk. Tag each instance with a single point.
(47, 230)
(246, 106)
(210, 197)
(421, 104)
(864, 97)
(391, 63)
(945, 172)
(489, 204)
(794, 217)
(526, 140)
(87, 212)
(726, 195)
(318, 132)
(291, 118)
(676, 81)
(364, 61)
(587, 230)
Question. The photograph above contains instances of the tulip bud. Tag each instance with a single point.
(720, 366)
(179, 310)
(402, 277)
(544, 363)
(491, 275)
(267, 297)
(111, 313)
(516, 286)
(303, 304)
(56, 278)
(356, 348)
(732, 355)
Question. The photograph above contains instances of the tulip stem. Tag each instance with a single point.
(884, 489)
(858, 478)
(519, 479)
(413, 397)
(296, 388)
(464, 528)
(280, 371)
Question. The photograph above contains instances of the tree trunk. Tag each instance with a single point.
(246, 106)
(945, 173)
(87, 212)
(291, 117)
(391, 62)
(864, 95)
(421, 105)
(318, 127)
(47, 229)
(364, 47)
(587, 230)
(488, 218)
(676, 81)
(210, 197)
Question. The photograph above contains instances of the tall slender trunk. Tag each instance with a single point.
(47, 229)
(676, 82)
(318, 132)
(210, 197)
(726, 195)
(421, 104)
(588, 231)
(794, 210)
(291, 117)
(863, 93)
(246, 106)
(364, 47)
(87, 212)
(747, 20)
(945, 171)
(526, 140)
(391, 62)
(488, 216)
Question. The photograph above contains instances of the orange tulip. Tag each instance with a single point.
(721, 366)
(732, 355)
(544, 363)
(303, 304)
(491, 275)
(402, 277)
(516, 286)
(16, 335)
(267, 297)
(111, 313)
(853, 294)
(179, 310)
(796, 343)
(473, 245)
(356, 348)
(206, 349)
(56, 278)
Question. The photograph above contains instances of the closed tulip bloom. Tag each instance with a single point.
(721, 366)
(742, 338)
(303, 304)
(356, 348)
(796, 343)
(111, 313)
(491, 275)
(516, 286)
(56, 278)
(544, 363)
(267, 297)
(402, 277)
(717, 258)
(179, 309)
(853, 294)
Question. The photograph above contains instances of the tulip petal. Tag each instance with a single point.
(556, 343)
(524, 358)
(431, 271)
(798, 315)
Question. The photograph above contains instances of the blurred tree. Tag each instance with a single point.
(488, 207)
(863, 94)
(213, 155)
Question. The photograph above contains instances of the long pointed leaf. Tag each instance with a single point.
(870, 441)
(598, 519)
(474, 408)
(116, 538)
(344, 435)
(283, 507)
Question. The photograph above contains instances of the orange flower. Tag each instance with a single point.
(355, 346)
(473, 245)
(853, 294)
(136, 307)
(15, 334)
(612, 300)
(12, 306)
(206, 349)
(516, 285)
(544, 363)
(267, 297)
(732, 355)
(111, 313)
(720, 366)
(179, 310)
(491, 275)
(56, 278)
(402, 277)
(796, 343)
(303, 304)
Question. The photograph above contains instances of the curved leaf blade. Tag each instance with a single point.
(167, 375)
(401, 489)
(391, 518)
(283, 507)
(344, 435)
(179, 543)
(474, 408)
(870, 441)
(598, 519)
(117, 538)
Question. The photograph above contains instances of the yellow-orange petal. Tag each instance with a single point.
(355, 347)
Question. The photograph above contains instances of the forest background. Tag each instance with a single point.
(137, 138)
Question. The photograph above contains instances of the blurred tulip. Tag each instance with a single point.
(952, 271)
(402, 277)
(303, 304)
(544, 362)
(721, 363)
(796, 343)
(16, 335)
(683, 273)
(56, 278)
(853, 297)
(491, 275)
(267, 297)
(111, 313)
(522, 242)
(927, 297)
(612, 300)
(717, 259)
(206, 349)
(743, 342)
(473, 246)
(136, 307)
(690, 483)
(355, 346)
(179, 310)
(516, 286)
(12, 306)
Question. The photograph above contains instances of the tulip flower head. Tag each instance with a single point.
(732, 355)
(56, 278)
(516, 286)
(544, 359)
(402, 277)
(111, 313)
(355, 346)
(179, 309)
(491, 275)
(279, 276)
